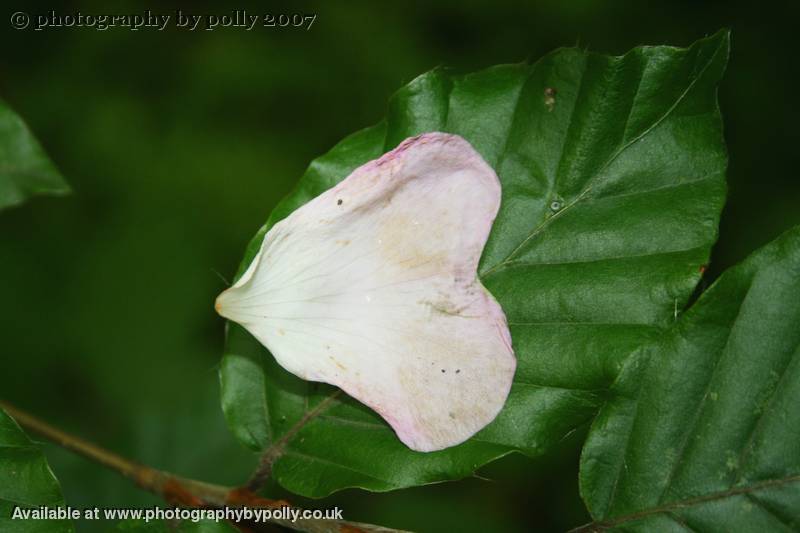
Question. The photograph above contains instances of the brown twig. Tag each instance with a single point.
(271, 454)
(177, 490)
(160, 483)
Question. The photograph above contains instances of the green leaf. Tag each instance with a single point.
(702, 431)
(26, 481)
(185, 526)
(25, 170)
(613, 181)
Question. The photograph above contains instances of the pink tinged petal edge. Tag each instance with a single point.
(372, 287)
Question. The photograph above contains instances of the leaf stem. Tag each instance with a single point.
(276, 450)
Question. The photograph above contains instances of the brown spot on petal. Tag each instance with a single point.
(337, 363)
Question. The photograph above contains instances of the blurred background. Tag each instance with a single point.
(178, 144)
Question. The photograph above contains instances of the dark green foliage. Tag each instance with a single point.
(25, 170)
(26, 481)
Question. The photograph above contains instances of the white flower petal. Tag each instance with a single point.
(372, 287)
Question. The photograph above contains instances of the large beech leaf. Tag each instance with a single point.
(702, 429)
(26, 481)
(613, 180)
(25, 170)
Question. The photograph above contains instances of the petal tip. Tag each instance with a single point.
(222, 305)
